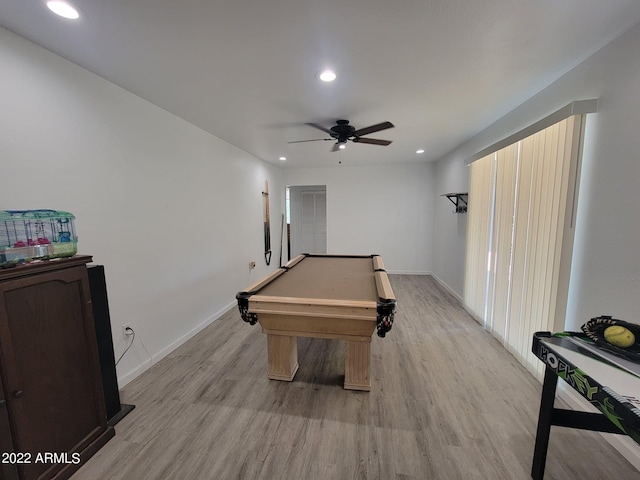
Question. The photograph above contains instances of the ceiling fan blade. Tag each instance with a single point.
(319, 127)
(373, 128)
(313, 140)
(372, 141)
(336, 147)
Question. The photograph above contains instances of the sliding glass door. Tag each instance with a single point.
(520, 235)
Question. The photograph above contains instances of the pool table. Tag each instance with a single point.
(344, 297)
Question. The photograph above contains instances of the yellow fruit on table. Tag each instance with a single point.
(619, 336)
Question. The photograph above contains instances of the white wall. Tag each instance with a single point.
(386, 210)
(172, 212)
(450, 229)
(606, 263)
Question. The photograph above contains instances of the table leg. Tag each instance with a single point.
(283, 357)
(357, 366)
(544, 424)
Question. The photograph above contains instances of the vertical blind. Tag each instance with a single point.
(520, 236)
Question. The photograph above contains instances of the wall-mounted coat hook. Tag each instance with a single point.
(460, 200)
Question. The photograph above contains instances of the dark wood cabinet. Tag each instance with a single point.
(49, 368)
(7, 470)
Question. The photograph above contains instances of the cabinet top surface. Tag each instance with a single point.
(43, 266)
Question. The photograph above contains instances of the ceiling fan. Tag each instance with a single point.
(342, 132)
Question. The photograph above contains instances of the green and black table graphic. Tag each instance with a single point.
(609, 383)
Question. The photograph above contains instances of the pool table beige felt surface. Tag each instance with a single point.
(322, 296)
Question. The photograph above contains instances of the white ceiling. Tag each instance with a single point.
(245, 70)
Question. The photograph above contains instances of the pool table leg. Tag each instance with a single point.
(356, 369)
(283, 357)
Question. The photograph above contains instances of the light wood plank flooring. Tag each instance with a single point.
(447, 402)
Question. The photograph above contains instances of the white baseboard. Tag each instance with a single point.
(623, 444)
(156, 357)
(407, 272)
(444, 285)
(133, 373)
(626, 447)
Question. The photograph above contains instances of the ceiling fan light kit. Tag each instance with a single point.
(342, 132)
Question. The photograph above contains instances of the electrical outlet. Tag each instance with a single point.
(127, 331)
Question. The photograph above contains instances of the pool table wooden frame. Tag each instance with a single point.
(285, 317)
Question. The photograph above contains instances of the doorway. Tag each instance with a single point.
(306, 211)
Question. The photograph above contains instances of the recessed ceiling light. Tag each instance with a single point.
(420, 151)
(342, 146)
(327, 76)
(282, 158)
(63, 9)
